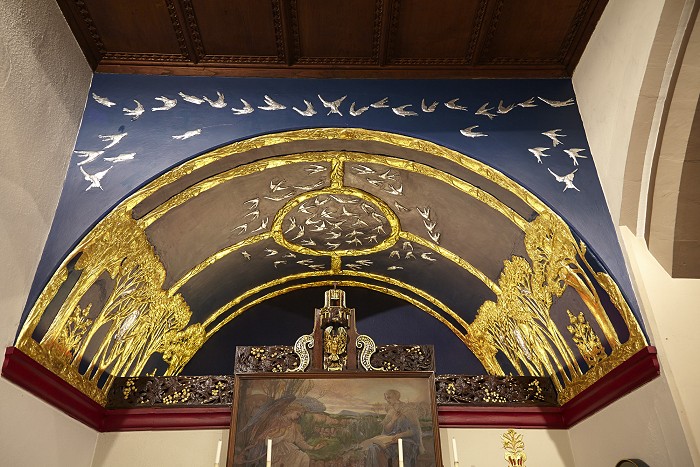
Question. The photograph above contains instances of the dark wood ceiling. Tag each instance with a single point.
(334, 38)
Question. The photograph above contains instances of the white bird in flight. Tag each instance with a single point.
(394, 191)
(94, 179)
(380, 104)
(308, 112)
(426, 256)
(333, 105)
(135, 112)
(428, 108)
(191, 99)
(277, 186)
(247, 109)
(271, 104)
(263, 225)
(554, 136)
(484, 110)
(292, 225)
(554, 103)
(574, 154)
(167, 103)
(188, 134)
(113, 139)
(355, 112)
(454, 106)
(254, 203)
(539, 153)
(313, 169)
(528, 103)
(567, 180)
(400, 207)
(402, 112)
(362, 169)
(504, 109)
(102, 100)
(219, 103)
(470, 133)
(121, 157)
(88, 155)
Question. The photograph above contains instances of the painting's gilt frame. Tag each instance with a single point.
(246, 415)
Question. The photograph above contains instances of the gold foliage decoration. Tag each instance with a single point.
(586, 340)
(90, 341)
(519, 323)
(136, 319)
(514, 447)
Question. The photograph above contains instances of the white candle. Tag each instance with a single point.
(454, 450)
(268, 462)
(400, 452)
(218, 453)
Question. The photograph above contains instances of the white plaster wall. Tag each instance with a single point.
(43, 86)
(607, 82)
(671, 307)
(660, 422)
(483, 447)
(642, 425)
(476, 448)
(160, 448)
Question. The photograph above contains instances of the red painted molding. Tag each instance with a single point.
(498, 417)
(17, 367)
(638, 370)
(187, 418)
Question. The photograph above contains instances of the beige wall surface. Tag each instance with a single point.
(43, 86)
(476, 448)
(483, 447)
(660, 422)
(160, 448)
(642, 425)
(607, 82)
(671, 308)
(32, 433)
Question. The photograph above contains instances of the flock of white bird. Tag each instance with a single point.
(334, 107)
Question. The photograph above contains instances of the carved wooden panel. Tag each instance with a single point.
(526, 32)
(336, 32)
(170, 391)
(445, 34)
(320, 38)
(240, 31)
(128, 29)
(203, 391)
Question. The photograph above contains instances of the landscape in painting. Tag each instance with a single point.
(334, 422)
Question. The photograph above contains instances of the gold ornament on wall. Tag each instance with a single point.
(586, 340)
(92, 338)
(514, 449)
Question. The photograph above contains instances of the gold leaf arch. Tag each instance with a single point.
(139, 317)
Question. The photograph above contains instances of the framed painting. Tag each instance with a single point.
(334, 420)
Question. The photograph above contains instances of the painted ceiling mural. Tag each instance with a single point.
(203, 213)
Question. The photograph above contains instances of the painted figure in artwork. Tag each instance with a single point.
(288, 443)
(282, 427)
(401, 421)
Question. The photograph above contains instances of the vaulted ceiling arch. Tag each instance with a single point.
(219, 235)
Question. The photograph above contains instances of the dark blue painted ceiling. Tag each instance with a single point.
(151, 138)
